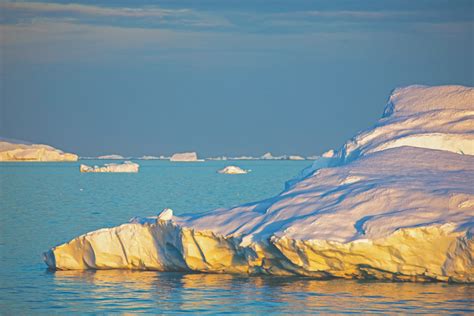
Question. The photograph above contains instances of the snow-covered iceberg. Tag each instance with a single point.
(149, 158)
(233, 170)
(295, 157)
(396, 202)
(127, 166)
(269, 156)
(32, 152)
(185, 157)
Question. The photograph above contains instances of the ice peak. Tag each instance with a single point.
(165, 215)
(420, 98)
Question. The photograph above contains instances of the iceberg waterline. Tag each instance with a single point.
(387, 205)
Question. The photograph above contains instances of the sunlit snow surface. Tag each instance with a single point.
(20, 151)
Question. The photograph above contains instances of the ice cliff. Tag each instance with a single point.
(32, 152)
(396, 202)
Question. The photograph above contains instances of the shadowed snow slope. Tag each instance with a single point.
(396, 202)
(32, 152)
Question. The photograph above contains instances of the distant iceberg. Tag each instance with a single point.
(242, 158)
(111, 157)
(127, 166)
(269, 156)
(219, 158)
(185, 157)
(396, 202)
(149, 158)
(295, 157)
(233, 170)
(32, 152)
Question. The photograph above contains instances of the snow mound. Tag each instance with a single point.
(127, 166)
(233, 170)
(32, 152)
(391, 204)
(418, 99)
(426, 117)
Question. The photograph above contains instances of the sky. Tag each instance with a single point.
(233, 77)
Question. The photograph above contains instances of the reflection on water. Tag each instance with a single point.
(157, 292)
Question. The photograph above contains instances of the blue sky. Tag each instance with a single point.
(218, 77)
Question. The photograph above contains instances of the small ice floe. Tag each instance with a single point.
(165, 215)
(233, 170)
(127, 166)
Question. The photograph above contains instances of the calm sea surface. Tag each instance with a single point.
(45, 204)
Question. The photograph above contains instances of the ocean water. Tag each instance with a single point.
(45, 204)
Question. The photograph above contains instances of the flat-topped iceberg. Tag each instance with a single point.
(127, 166)
(396, 202)
(185, 157)
(233, 170)
(32, 152)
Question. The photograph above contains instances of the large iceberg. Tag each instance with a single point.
(396, 202)
(10, 151)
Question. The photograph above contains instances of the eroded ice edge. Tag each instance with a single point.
(395, 202)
